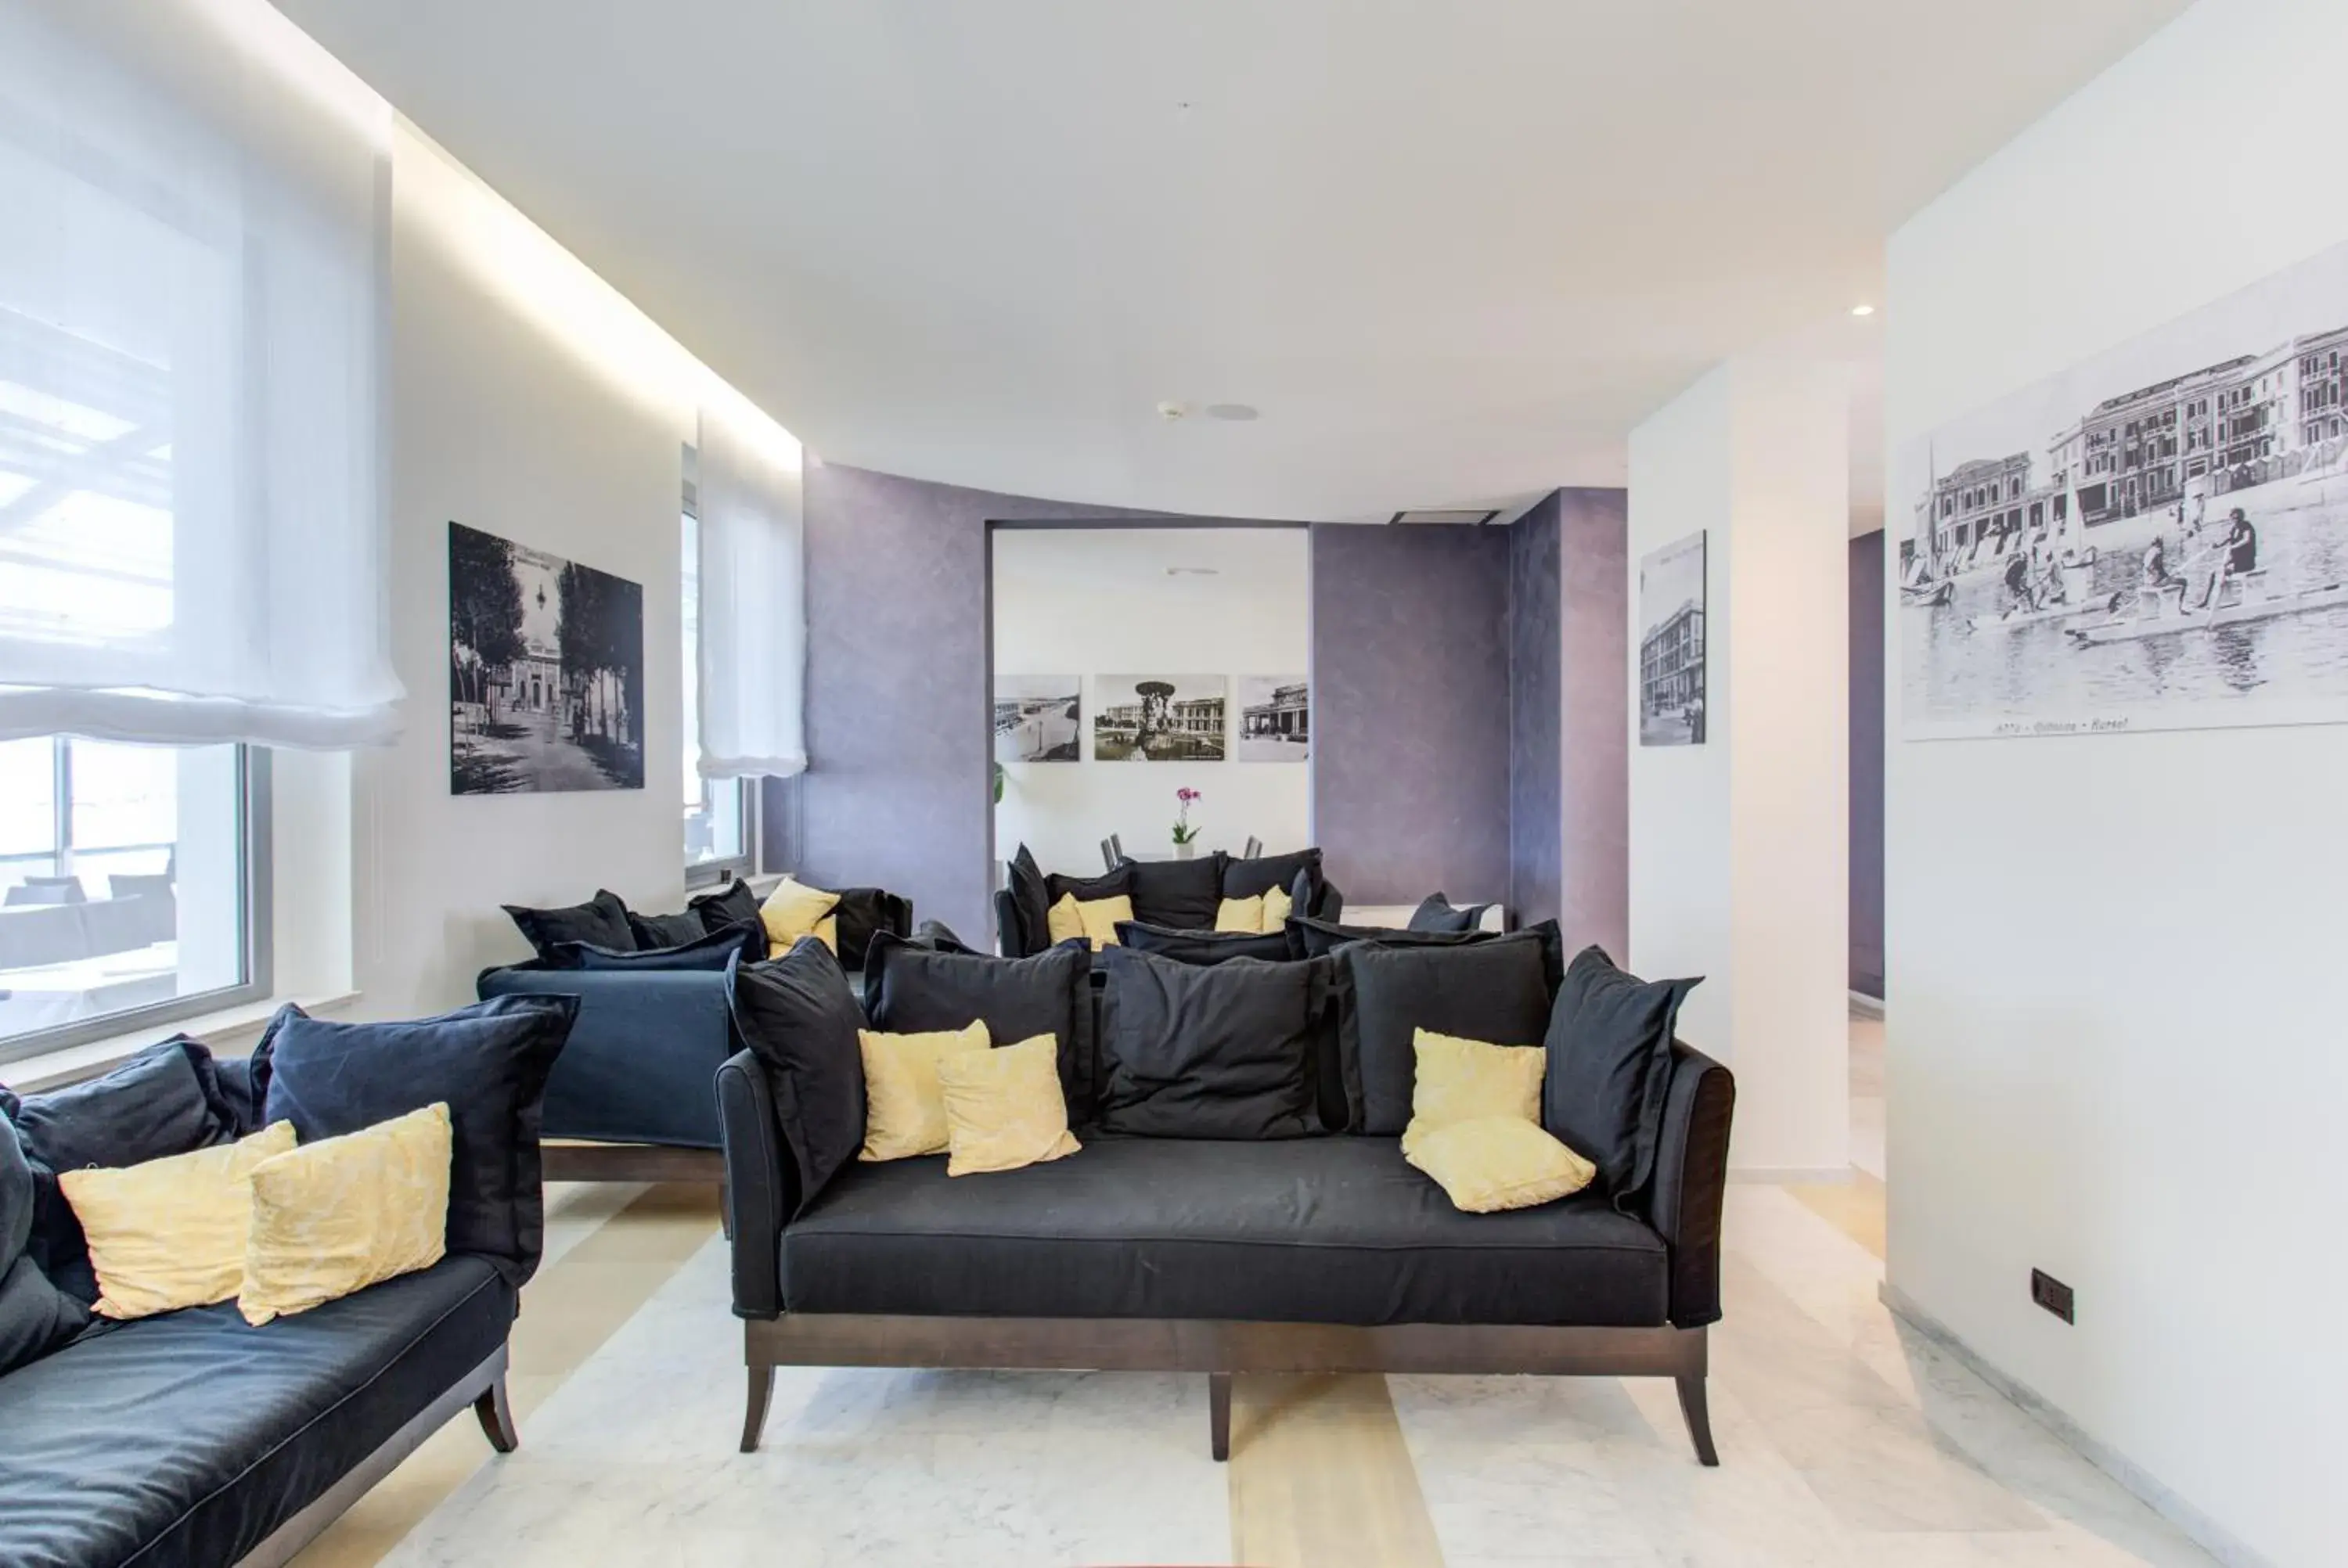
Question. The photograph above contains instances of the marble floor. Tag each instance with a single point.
(1845, 1439)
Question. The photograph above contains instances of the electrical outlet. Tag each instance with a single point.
(2052, 1294)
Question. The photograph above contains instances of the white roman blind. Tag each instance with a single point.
(753, 655)
(194, 199)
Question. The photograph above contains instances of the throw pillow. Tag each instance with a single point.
(1497, 990)
(1182, 894)
(171, 1233)
(793, 911)
(1223, 1051)
(601, 921)
(939, 938)
(1467, 1079)
(1274, 945)
(1495, 1163)
(1240, 914)
(1108, 884)
(35, 1316)
(732, 905)
(1093, 920)
(487, 1063)
(1610, 1067)
(1031, 901)
(656, 931)
(904, 1106)
(1436, 913)
(1247, 878)
(341, 1214)
(713, 950)
(1003, 1108)
(864, 913)
(1278, 904)
(911, 990)
(799, 1017)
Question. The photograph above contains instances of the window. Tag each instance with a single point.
(131, 891)
(720, 815)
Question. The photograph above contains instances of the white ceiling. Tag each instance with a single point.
(1453, 249)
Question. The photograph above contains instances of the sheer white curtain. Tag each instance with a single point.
(753, 658)
(193, 207)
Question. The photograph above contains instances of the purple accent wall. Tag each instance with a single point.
(1867, 764)
(1594, 695)
(1410, 684)
(1535, 716)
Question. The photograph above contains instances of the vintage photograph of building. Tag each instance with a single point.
(1275, 719)
(1159, 718)
(1038, 719)
(546, 671)
(2156, 538)
(1671, 644)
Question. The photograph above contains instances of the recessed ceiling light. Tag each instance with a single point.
(1171, 410)
(1862, 310)
(1237, 412)
(1424, 515)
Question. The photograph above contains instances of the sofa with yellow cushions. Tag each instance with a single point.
(183, 1385)
(1238, 1192)
(1210, 892)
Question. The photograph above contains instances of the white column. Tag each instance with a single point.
(1739, 846)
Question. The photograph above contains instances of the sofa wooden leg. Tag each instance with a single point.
(1218, 1413)
(496, 1415)
(753, 1416)
(1699, 1418)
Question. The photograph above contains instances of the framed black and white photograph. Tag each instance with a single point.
(1275, 719)
(2156, 538)
(1671, 644)
(1038, 719)
(1159, 718)
(546, 671)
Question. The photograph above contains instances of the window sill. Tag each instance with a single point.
(231, 1031)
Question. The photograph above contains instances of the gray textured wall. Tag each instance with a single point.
(1535, 716)
(1410, 678)
(1867, 764)
(1594, 683)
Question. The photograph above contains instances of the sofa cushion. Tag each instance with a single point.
(710, 950)
(1183, 894)
(1248, 878)
(1438, 912)
(1116, 884)
(1610, 1067)
(911, 990)
(799, 1016)
(732, 905)
(488, 1063)
(603, 920)
(190, 1437)
(35, 1316)
(1031, 903)
(1207, 946)
(1305, 1230)
(1222, 1050)
(653, 932)
(1497, 991)
(863, 913)
(1318, 936)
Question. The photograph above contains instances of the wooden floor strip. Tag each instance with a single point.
(576, 1303)
(1320, 1476)
(1854, 1207)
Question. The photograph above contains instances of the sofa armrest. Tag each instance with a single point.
(1006, 925)
(1691, 1181)
(640, 1058)
(761, 1184)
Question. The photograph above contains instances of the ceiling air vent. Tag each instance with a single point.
(1461, 519)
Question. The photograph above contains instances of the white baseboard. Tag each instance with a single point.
(1866, 1005)
(2206, 1532)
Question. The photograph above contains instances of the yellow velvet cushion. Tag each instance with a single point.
(1455, 1080)
(1004, 1108)
(171, 1233)
(1277, 907)
(904, 1105)
(341, 1214)
(793, 911)
(1240, 915)
(1492, 1162)
(1094, 919)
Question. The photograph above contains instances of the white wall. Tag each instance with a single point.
(528, 400)
(2114, 1049)
(1739, 847)
(1100, 601)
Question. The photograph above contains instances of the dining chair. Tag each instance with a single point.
(1117, 847)
(1108, 855)
(1254, 850)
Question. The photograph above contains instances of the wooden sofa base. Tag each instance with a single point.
(574, 1161)
(1219, 1349)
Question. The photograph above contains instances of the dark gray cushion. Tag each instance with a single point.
(488, 1063)
(1306, 1230)
(1318, 936)
(1436, 913)
(187, 1437)
(862, 914)
(1181, 893)
(1207, 946)
(653, 932)
(1222, 1050)
(910, 990)
(1610, 1067)
(35, 1316)
(711, 951)
(732, 905)
(1087, 890)
(1497, 991)
(603, 920)
(1252, 878)
(799, 1015)
(638, 1065)
(1031, 903)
